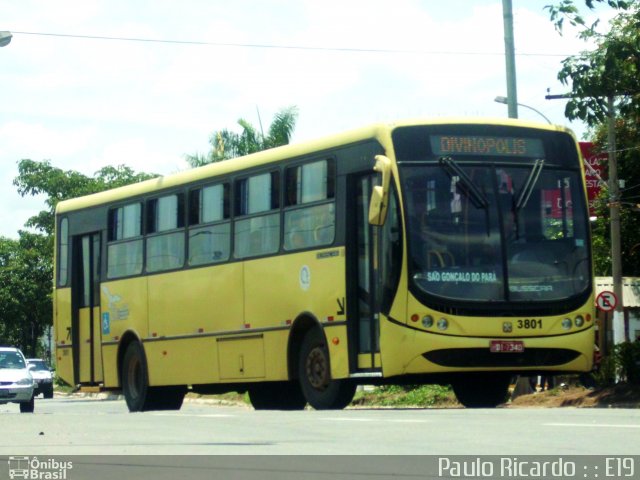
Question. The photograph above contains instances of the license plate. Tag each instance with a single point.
(506, 346)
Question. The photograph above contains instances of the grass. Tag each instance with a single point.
(406, 396)
(386, 396)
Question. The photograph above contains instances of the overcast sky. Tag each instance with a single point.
(86, 103)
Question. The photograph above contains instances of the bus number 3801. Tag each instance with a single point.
(530, 324)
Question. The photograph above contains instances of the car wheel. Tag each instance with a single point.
(29, 406)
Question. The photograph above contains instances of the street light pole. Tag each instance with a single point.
(5, 38)
(510, 57)
(505, 100)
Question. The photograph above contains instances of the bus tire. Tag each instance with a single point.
(166, 398)
(277, 396)
(135, 379)
(28, 407)
(481, 390)
(314, 372)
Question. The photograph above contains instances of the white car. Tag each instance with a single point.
(43, 377)
(16, 382)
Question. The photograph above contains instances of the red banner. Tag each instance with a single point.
(595, 175)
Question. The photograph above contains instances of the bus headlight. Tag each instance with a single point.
(579, 321)
(427, 321)
(443, 324)
(566, 323)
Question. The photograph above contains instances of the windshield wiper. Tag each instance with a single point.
(527, 189)
(472, 191)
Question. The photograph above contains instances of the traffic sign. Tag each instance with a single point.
(606, 301)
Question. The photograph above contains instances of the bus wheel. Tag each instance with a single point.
(314, 372)
(167, 398)
(481, 390)
(277, 396)
(135, 381)
(29, 406)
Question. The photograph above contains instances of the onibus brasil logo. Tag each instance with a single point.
(35, 469)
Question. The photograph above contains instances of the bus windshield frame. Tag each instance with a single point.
(496, 218)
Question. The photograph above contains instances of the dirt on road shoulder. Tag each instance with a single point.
(619, 396)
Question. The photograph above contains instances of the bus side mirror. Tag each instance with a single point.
(380, 194)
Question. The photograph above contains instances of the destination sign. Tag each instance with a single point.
(486, 145)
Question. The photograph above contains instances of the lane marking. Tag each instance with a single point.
(377, 420)
(594, 425)
(202, 415)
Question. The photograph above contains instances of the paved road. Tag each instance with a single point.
(71, 426)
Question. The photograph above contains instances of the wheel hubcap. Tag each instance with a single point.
(317, 369)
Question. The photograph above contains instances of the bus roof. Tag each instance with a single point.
(380, 131)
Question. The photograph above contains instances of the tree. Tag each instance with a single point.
(610, 71)
(628, 141)
(226, 144)
(26, 264)
(25, 290)
(41, 178)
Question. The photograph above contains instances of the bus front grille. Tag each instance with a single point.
(482, 357)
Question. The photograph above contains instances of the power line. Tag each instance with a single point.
(287, 47)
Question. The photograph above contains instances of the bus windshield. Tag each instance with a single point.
(498, 218)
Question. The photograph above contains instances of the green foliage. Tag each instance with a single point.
(567, 10)
(605, 375)
(409, 395)
(628, 155)
(26, 264)
(623, 364)
(627, 359)
(612, 69)
(226, 144)
(41, 178)
(25, 290)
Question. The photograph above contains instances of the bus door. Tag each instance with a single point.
(362, 295)
(85, 320)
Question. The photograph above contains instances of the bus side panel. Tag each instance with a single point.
(278, 290)
(110, 365)
(207, 299)
(337, 341)
(189, 303)
(124, 308)
(64, 354)
(183, 361)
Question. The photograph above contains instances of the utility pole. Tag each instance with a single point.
(510, 57)
(619, 335)
(618, 324)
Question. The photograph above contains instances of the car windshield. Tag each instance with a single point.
(11, 360)
(40, 365)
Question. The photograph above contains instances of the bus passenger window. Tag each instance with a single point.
(210, 229)
(312, 223)
(257, 198)
(124, 252)
(165, 249)
(63, 249)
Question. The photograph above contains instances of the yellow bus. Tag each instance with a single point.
(448, 251)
